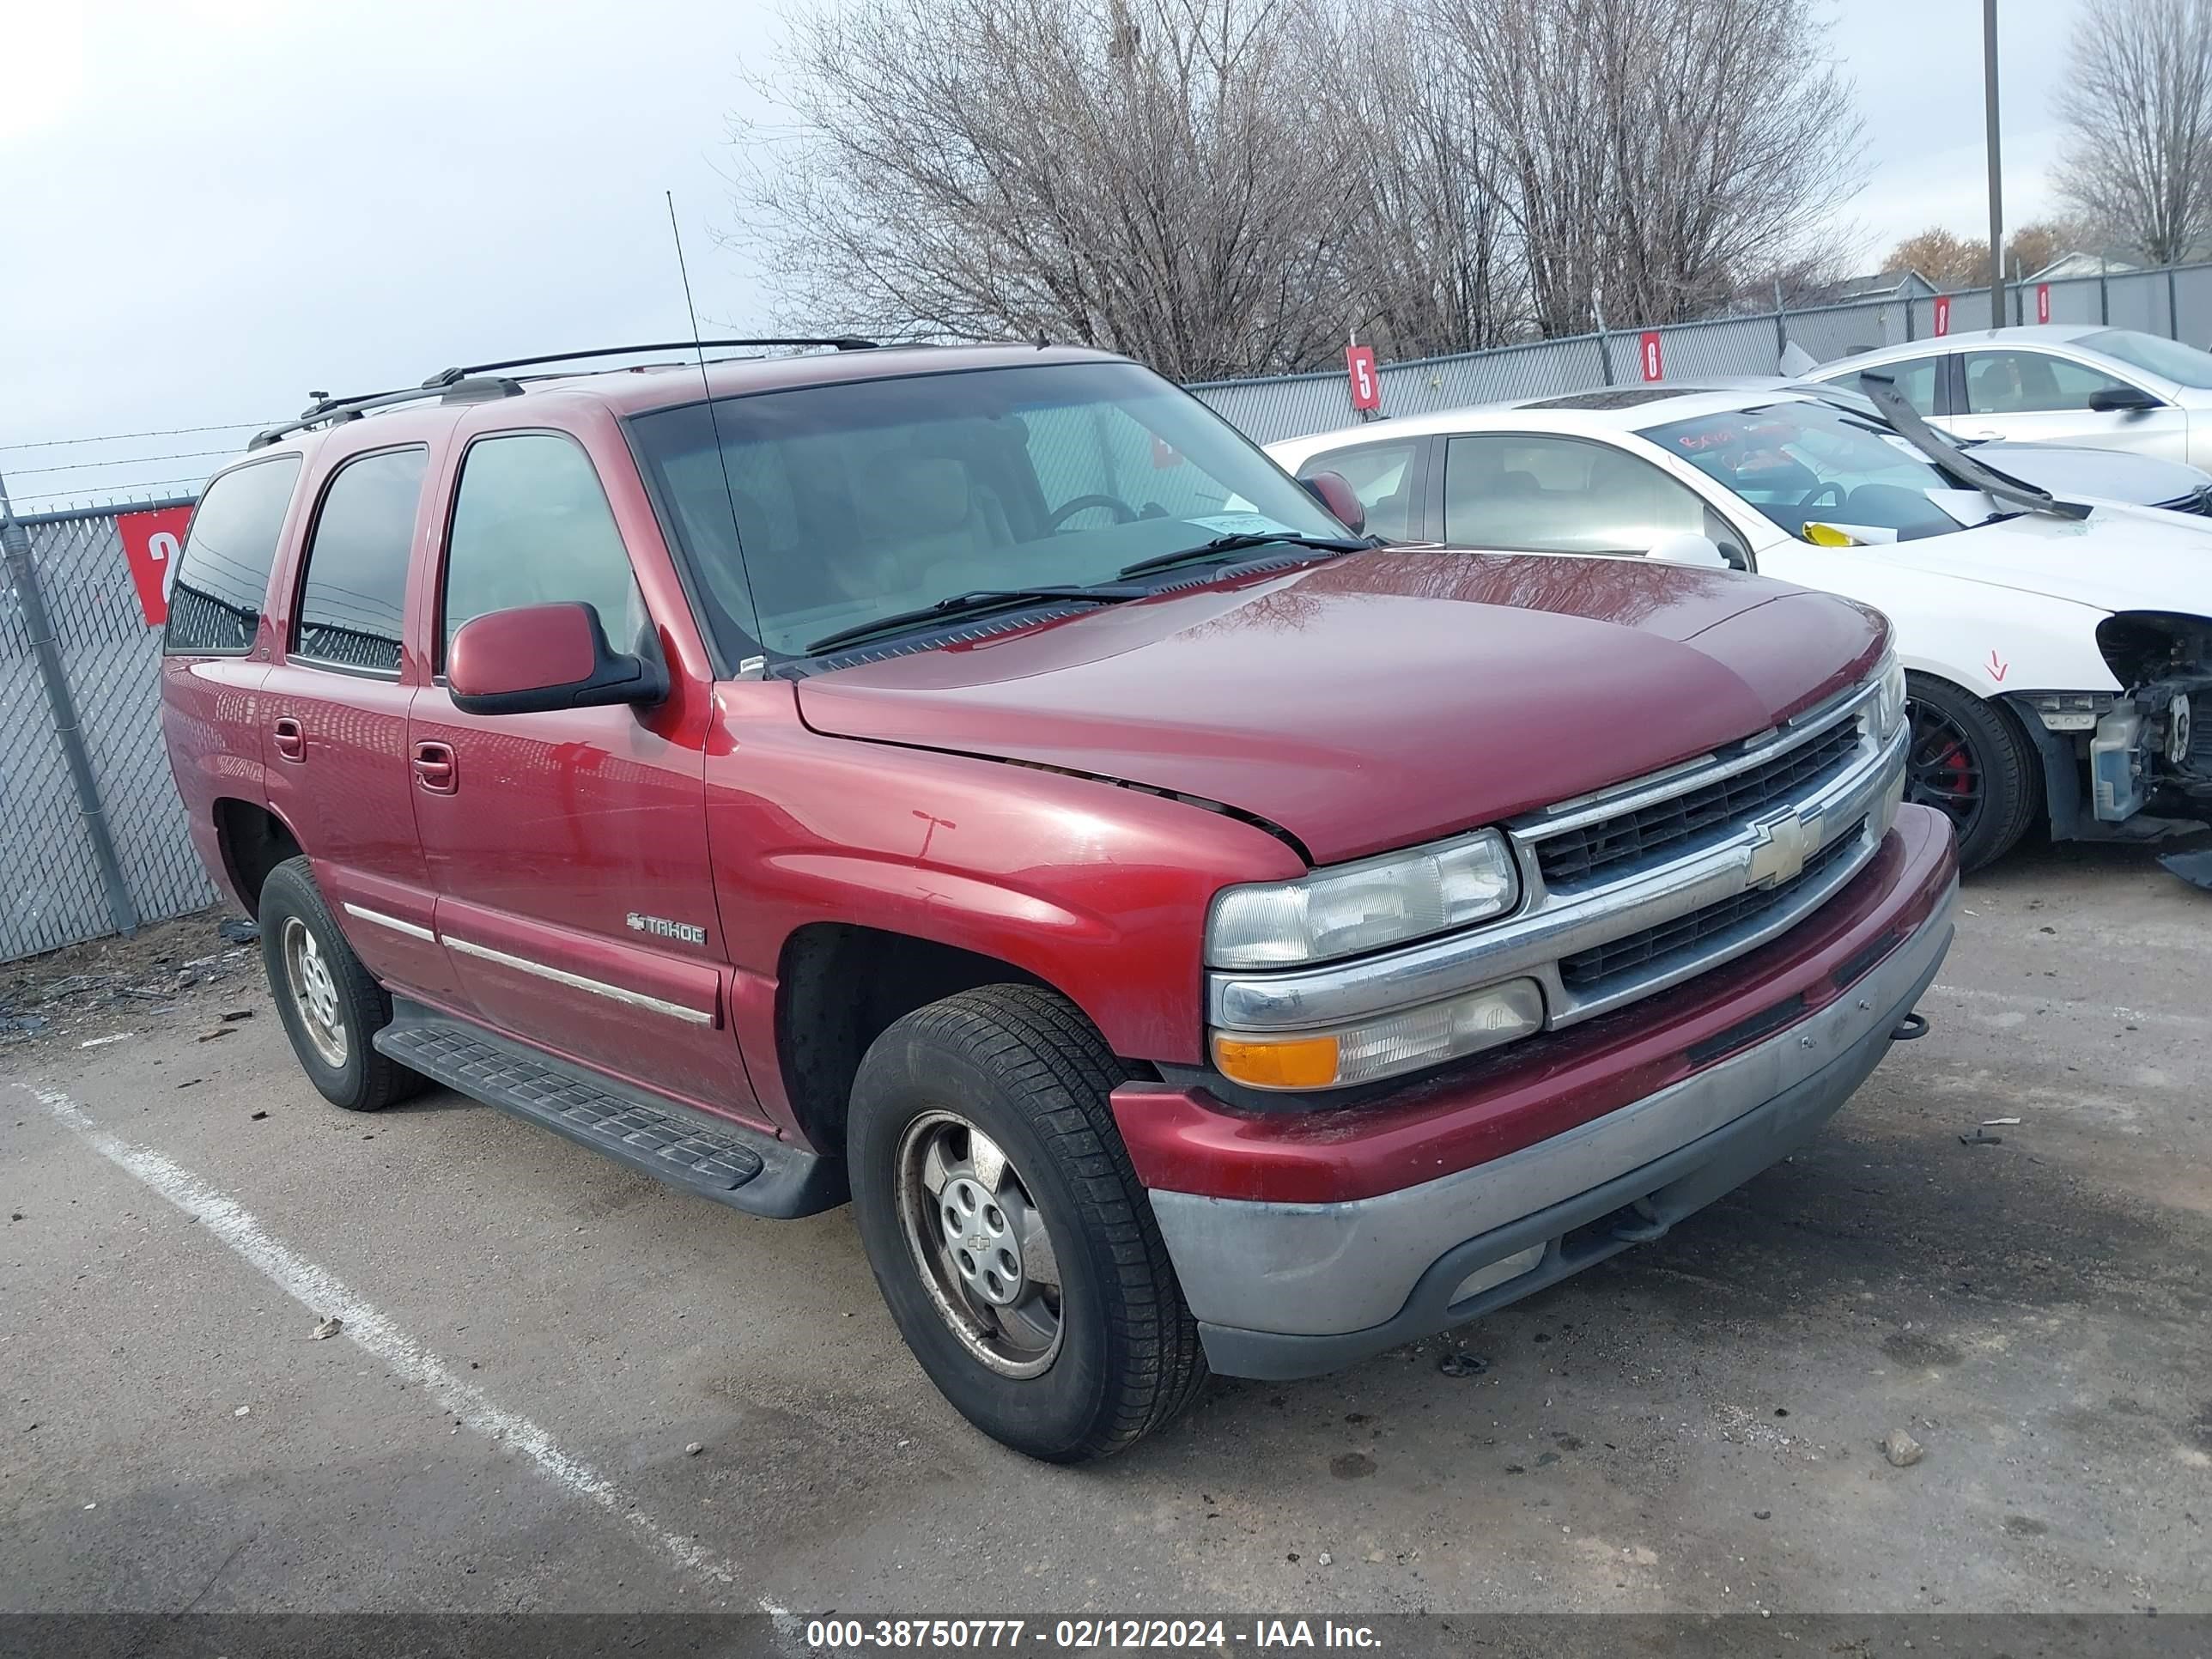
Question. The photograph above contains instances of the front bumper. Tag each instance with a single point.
(1288, 1288)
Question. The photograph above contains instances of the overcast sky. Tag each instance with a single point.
(212, 207)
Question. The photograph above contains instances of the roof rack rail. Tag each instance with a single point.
(332, 410)
(461, 385)
(843, 343)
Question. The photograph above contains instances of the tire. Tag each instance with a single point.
(330, 1011)
(1020, 1066)
(1970, 758)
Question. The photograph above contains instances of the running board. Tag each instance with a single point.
(675, 1143)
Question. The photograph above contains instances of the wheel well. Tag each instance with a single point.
(254, 841)
(837, 987)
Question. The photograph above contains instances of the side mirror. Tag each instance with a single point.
(1331, 490)
(542, 656)
(2123, 400)
(1687, 547)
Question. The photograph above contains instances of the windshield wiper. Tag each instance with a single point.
(1243, 539)
(1969, 470)
(980, 598)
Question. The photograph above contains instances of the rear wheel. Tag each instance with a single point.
(330, 1004)
(1007, 1231)
(1970, 760)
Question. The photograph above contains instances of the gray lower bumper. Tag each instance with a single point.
(1294, 1290)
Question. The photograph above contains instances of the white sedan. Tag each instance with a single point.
(2110, 388)
(2054, 646)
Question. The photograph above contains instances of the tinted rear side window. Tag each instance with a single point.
(355, 596)
(222, 576)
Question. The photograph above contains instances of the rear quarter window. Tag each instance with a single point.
(222, 576)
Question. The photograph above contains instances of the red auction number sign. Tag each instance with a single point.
(1942, 315)
(1647, 352)
(1366, 390)
(2042, 302)
(151, 541)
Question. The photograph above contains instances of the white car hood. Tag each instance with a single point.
(2119, 558)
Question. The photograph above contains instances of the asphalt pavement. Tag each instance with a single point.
(533, 1340)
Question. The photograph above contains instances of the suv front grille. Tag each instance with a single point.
(1577, 855)
(1585, 969)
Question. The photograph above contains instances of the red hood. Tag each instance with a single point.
(1383, 699)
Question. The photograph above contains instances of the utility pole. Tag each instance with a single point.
(31, 599)
(1996, 168)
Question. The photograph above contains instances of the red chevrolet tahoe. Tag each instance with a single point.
(977, 783)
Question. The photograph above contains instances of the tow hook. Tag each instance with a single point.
(1639, 1224)
(1910, 1028)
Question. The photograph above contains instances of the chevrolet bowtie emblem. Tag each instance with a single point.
(1785, 841)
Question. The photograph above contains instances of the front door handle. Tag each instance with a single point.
(289, 736)
(436, 768)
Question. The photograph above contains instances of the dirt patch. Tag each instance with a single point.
(83, 993)
(1917, 1348)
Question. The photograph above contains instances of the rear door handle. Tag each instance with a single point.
(290, 738)
(436, 768)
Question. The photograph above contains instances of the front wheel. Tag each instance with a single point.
(1007, 1231)
(1970, 760)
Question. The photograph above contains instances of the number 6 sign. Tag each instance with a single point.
(151, 542)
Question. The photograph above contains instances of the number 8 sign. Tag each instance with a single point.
(151, 542)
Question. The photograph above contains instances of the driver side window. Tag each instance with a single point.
(532, 526)
(1521, 492)
(2030, 382)
(1382, 476)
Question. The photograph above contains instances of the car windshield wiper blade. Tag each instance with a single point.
(981, 598)
(1221, 545)
(1969, 470)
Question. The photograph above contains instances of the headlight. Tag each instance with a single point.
(1885, 713)
(1354, 907)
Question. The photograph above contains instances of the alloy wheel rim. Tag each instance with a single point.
(1943, 770)
(977, 1238)
(314, 992)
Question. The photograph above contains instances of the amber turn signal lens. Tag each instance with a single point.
(1306, 1062)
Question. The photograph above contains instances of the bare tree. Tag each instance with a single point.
(1151, 176)
(1652, 152)
(1431, 260)
(2137, 108)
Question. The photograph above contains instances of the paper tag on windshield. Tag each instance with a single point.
(1242, 524)
(1968, 507)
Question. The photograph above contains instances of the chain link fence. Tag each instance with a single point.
(2176, 302)
(51, 887)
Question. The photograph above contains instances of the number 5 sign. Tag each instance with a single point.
(151, 541)
(1359, 364)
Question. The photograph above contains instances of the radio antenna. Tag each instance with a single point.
(755, 663)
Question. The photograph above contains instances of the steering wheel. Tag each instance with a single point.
(1811, 497)
(1122, 512)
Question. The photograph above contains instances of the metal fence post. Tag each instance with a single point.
(23, 574)
(1604, 349)
(1781, 329)
(2104, 296)
(2173, 307)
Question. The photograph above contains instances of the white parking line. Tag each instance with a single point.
(305, 1283)
(2069, 1005)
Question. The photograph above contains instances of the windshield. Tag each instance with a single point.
(1813, 463)
(867, 498)
(2168, 358)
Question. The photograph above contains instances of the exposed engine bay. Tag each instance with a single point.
(2150, 750)
(2143, 756)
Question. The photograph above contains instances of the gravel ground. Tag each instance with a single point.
(533, 1341)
